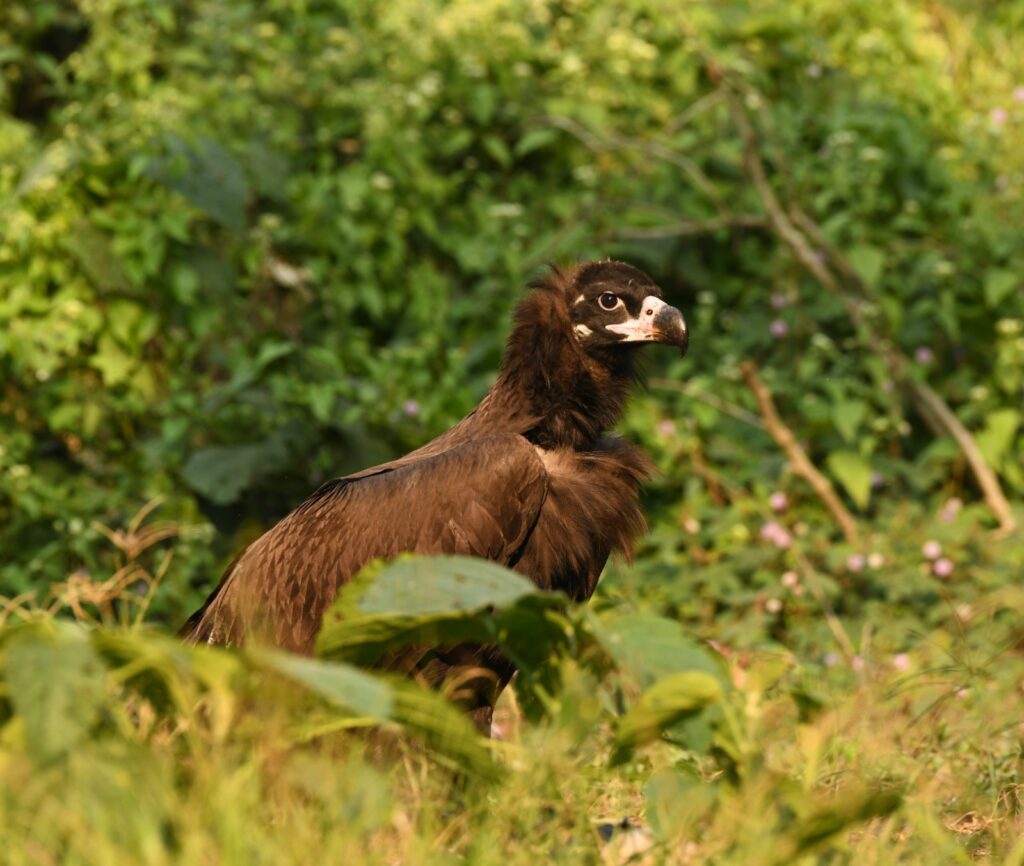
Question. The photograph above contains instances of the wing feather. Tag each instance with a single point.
(479, 498)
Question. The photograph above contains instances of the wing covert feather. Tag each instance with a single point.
(480, 498)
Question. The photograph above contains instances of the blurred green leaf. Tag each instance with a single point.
(56, 684)
(667, 702)
(854, 473)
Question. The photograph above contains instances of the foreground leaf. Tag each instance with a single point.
(668, 701)
(56, 684)
(363, 699)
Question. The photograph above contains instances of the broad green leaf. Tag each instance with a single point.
(1000, 429)
(442, 584)
(869, 263)
(222, 472)
(854, 473)
(848, 416)
(535, 139)
(651, 647)
(439, 600)
(668, 701)
(365, 698)
(56, 684)
(209, 177)
(343, 686)
(999, 284)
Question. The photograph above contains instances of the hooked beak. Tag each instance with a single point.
(657, 323)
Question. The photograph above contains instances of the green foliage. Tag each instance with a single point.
(246, 247)
(124, 745)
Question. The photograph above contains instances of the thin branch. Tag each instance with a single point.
(707, 101)
(713, 400)
(655, 149)
(798, 458)
(925, 398)
(688, 228)
(928, 402)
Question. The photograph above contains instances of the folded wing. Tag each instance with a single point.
(479, 498)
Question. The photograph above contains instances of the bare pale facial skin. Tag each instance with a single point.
(609, 312)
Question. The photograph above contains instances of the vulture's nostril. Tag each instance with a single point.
(648, 312)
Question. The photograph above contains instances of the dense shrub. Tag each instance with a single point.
(246, 246)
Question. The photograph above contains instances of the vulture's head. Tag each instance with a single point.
(613, 305)
(570, 358)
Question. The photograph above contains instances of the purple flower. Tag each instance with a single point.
(923, 355)
(998, 116)
(931, 549)
(778, 301)
(831, 660)
(411, 408)
(1018, 94)
(942, 567)
(778, 501)
(950, 510)
(901, 662)
(778, 329)
(877, 480)
(666, 428)
(855, 562)
(776, 534)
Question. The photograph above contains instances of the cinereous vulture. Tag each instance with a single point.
(530, 479)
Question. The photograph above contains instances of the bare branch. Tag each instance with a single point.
(713, 400)
(688, 228)
(798, 458)
(929, 403)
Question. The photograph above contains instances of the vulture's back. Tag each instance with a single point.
(478, 498)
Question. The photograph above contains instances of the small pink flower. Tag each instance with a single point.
(776, 534)
(924, 355)
(857, 663)
(773, 605)
(411, 408)
(778, 501)
(942, 567)
(951, 509)
(1018, 94)
(856, 562)
(998, 116)
(778, 329)
(790, 579)
(931, 550)
(831, 660)
(778, 301)
(901, 662)
(666, 428)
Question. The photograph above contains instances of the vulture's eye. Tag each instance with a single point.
(609, 300)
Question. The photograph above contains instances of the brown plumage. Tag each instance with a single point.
(529, 479)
